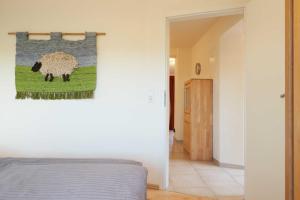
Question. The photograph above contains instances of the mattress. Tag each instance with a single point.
(72, 179)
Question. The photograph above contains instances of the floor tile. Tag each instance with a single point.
(227, 190)
(203, 179)
(180, 170)
(220, 182)
(212, 172)
(240, 179)
(204, 165)
(235, 172)
(184, 181)
(239, 190)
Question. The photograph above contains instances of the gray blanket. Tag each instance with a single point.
(72, 179)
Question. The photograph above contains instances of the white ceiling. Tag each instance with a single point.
(185, 34)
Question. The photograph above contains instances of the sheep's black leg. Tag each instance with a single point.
(46, 77)
(64, 77)
(51, 77)
(68, 77)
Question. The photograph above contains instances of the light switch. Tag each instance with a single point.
(150, 96)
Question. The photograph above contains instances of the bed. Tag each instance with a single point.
(71, 179)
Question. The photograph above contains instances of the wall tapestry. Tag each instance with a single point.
(56, 68)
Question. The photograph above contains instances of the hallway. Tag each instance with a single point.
(203, 178)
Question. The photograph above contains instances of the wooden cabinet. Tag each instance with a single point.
(198, 119)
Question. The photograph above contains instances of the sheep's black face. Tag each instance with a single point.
(36, 67)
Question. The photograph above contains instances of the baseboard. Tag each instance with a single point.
(228, 165)
(152, 186)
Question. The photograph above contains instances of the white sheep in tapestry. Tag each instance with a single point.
(58, 64)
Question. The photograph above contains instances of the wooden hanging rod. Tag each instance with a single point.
(14, 33)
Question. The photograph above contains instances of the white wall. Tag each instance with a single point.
(221, 55)
(132, 61)
(119, 122)
(231, 94)
(208, 46)
(265, 61)
(182, 74)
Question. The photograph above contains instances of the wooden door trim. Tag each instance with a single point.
(296, 97)
(289, 172)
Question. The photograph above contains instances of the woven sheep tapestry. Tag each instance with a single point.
(56, 68)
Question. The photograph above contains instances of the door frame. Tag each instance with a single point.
(292, 100)
(289, 172)
(168, 20)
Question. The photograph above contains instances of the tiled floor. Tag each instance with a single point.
(203, 179)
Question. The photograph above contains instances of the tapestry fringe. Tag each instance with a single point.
(55, 95)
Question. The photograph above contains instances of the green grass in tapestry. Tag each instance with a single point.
(82, 79)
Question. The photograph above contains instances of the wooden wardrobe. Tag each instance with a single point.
(198, 119)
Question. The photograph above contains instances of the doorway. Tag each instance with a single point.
(172, 94)
(202, 46)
